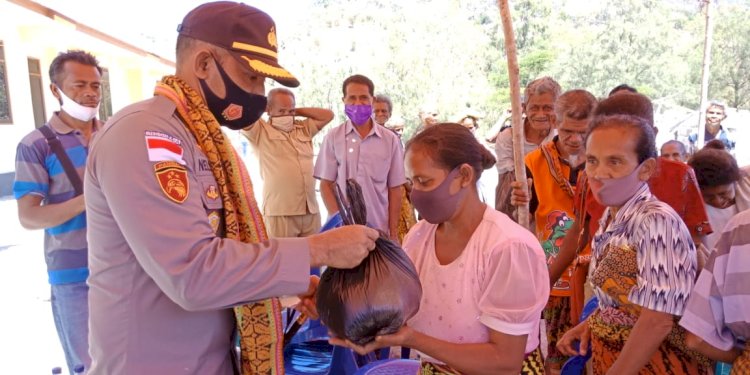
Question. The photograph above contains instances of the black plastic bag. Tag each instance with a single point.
(375, 298)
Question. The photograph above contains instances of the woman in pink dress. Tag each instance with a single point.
(484, 277)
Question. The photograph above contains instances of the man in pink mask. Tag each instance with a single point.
(370, 154)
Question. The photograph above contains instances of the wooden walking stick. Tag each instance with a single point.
(515, 102)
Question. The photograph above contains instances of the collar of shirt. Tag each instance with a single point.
(551, 136)
(60, 127)
(349, 127)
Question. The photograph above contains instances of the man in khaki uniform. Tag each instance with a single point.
(284, 148)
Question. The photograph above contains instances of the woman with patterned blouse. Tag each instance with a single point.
(643, 261)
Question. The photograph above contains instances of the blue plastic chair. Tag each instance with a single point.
(390, 367)
(309, 353)
(334, 221)
(576, 365)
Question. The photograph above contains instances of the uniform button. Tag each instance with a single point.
(351, 150)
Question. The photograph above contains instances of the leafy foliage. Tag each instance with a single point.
(450, 54)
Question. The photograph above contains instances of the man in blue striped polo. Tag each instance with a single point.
(49, 197)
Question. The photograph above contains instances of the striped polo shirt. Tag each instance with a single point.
(39, 172)
(718, 310)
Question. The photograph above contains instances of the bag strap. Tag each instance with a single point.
(56, 146)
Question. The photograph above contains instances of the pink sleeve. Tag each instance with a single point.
(515, 288)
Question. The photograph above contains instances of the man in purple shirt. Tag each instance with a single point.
(367, 153)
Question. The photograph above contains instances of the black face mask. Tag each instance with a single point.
(239, 109)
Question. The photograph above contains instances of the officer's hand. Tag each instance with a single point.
(519, 196)
(343, 247)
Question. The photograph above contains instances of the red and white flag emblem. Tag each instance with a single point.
(163, 147)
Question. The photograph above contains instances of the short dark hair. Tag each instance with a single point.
(381, 98)
(56, 68)
(358, 78)
(474, 120)
(714, 167)
(680, 145)
(280, 90)
(715, 144)
(645, 146)
(622, 87)
(184, 43)
(451, 145)
(627, 103)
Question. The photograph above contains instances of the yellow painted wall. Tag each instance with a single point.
(27, 34)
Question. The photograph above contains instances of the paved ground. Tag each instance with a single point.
(28, 340)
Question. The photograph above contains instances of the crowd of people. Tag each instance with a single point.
(167, 260)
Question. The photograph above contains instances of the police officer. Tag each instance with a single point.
(175, 237)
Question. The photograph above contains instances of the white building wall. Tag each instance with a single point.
(25, 34)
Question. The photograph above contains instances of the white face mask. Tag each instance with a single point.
(283, 123)
(76, 110)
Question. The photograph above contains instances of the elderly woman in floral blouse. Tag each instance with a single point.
(644, 261)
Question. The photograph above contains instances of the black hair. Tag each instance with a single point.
(358, 78)
(645, 146)
(56, 68)
(680, 145)
(714, 167)
(627, 103)
(451, 145)
(622, 87)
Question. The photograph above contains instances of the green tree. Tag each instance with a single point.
(730, 68)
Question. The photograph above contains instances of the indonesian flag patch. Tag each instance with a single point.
(163, 147)
(173, 180)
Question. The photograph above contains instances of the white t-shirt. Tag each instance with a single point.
(504, 149)
(500, 281)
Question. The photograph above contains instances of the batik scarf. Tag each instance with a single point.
(259, 323)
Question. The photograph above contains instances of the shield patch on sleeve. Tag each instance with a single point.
(173, 180)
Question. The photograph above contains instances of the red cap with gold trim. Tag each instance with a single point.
(248, 33)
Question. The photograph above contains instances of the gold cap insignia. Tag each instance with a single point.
(272, 37)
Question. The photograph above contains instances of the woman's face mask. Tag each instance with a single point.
(438, 205)
(614, 192)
